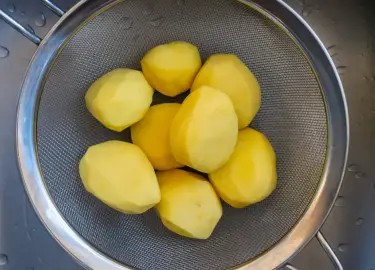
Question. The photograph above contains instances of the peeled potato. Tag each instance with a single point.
(250, 174)
(204, 130)
(151, 134)
(119, 98)
(120, 175)
(189, 205)
(227, 73)
(171, 68)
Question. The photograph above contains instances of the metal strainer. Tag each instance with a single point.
(303, 114)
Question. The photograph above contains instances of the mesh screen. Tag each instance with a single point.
(292, 116)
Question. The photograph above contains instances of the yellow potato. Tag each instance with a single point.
(250, 174)
(227, 73)
(151, 134)
(120, 175)
(119, 98)
(189, 205)
(171, 68)
(204, 130)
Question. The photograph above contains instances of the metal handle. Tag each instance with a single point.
(58, 11)
(290, 267)
(328, 250)
(23, 30)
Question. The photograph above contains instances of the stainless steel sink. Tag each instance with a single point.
(346, 27)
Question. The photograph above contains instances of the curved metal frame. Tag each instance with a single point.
(309, 224)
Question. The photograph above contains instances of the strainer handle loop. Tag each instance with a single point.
(328, 250)
(290, 267)
(23, 30)
(58, 11)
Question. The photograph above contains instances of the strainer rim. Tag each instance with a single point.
(79, 248)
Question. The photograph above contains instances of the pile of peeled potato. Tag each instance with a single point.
(207, 132)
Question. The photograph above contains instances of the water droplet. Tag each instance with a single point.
(29, 27)
(353, 168)
(372, 78)
(334, 54)
(40, 20)
(126, 22)
(364, 78)
(11, 8)
(3, 259)
(359, 221)
(23, 13)
(359, 175)
(362, 54)
(148, 9)
(341, 69)
(181, 2)
(343, 247)
(340, 201)
(306, 11)
(28, 236)
(4, 52)
(156, 22)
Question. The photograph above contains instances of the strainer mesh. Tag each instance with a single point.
(292, 116)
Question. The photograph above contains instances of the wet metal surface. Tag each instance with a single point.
(346, 27)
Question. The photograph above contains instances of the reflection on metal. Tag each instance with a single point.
(20, 28)
(327, 248)
(290, 267)
(53, 7)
